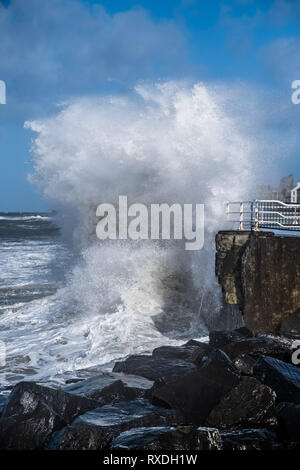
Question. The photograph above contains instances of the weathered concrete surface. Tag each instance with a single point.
(230, 247)
(260, 272)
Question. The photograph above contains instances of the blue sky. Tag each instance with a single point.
(53, 50)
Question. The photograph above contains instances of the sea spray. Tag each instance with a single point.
(164, 143)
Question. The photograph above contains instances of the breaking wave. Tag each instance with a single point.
(165, 143)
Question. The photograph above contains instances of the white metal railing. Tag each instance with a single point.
(268, 214)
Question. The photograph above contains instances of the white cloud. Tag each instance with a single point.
(54, 49)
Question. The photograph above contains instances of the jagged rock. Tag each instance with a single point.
(250, 439)
(247, 404)
(219, 360)
(288, 415)
(95, 430)
(186, 352)
(3, 401)
(258, 346)
(33, 412)
(194, 342)
(245, 332)
(153, 367)
(166, 438)
(218, 339)
(201, 354)
(109, 388)
(245, 364)
(281, 377)
(290, 326)
(197, 392)
(165, 361)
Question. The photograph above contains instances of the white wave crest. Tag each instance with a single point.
(169, 142)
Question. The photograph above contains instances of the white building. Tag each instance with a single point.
(295, 194)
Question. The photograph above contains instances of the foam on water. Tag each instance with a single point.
(24, 218)
(165, 143)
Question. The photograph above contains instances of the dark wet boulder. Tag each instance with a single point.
(111, 387)
(194, 342)
(290, 325)
(288, 415)
(245, 364)
(166, 438)
(201, 354)
(186, 352)
(34, 412)
(245, 332)
(197, 392)
(94, 430)
(283, 378)
(219, 360)
(218, 339)
(3, 401)
(250, 439)
(81, 436)
(153, 367)
(256, 347)
(249, 404)
(166, 361)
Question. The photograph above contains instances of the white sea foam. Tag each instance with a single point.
(24, 217)
(165, 143)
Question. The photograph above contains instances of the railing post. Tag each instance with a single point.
(295, 222)
(256, 229)
(241, 216)
(227, 210)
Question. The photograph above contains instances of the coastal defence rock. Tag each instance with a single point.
(256, 347)
(250, 439)
(218, 339)
(152, 367)
(289, 421)
(95, 429)
(108, 388)
(245, 364)
(166, 438)
(197, 392)
(186, 352)
(249, 404)
(34, 412)
(165, 361)
(260, 273)
(281, 377)
(249, 401)
(3, 401)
